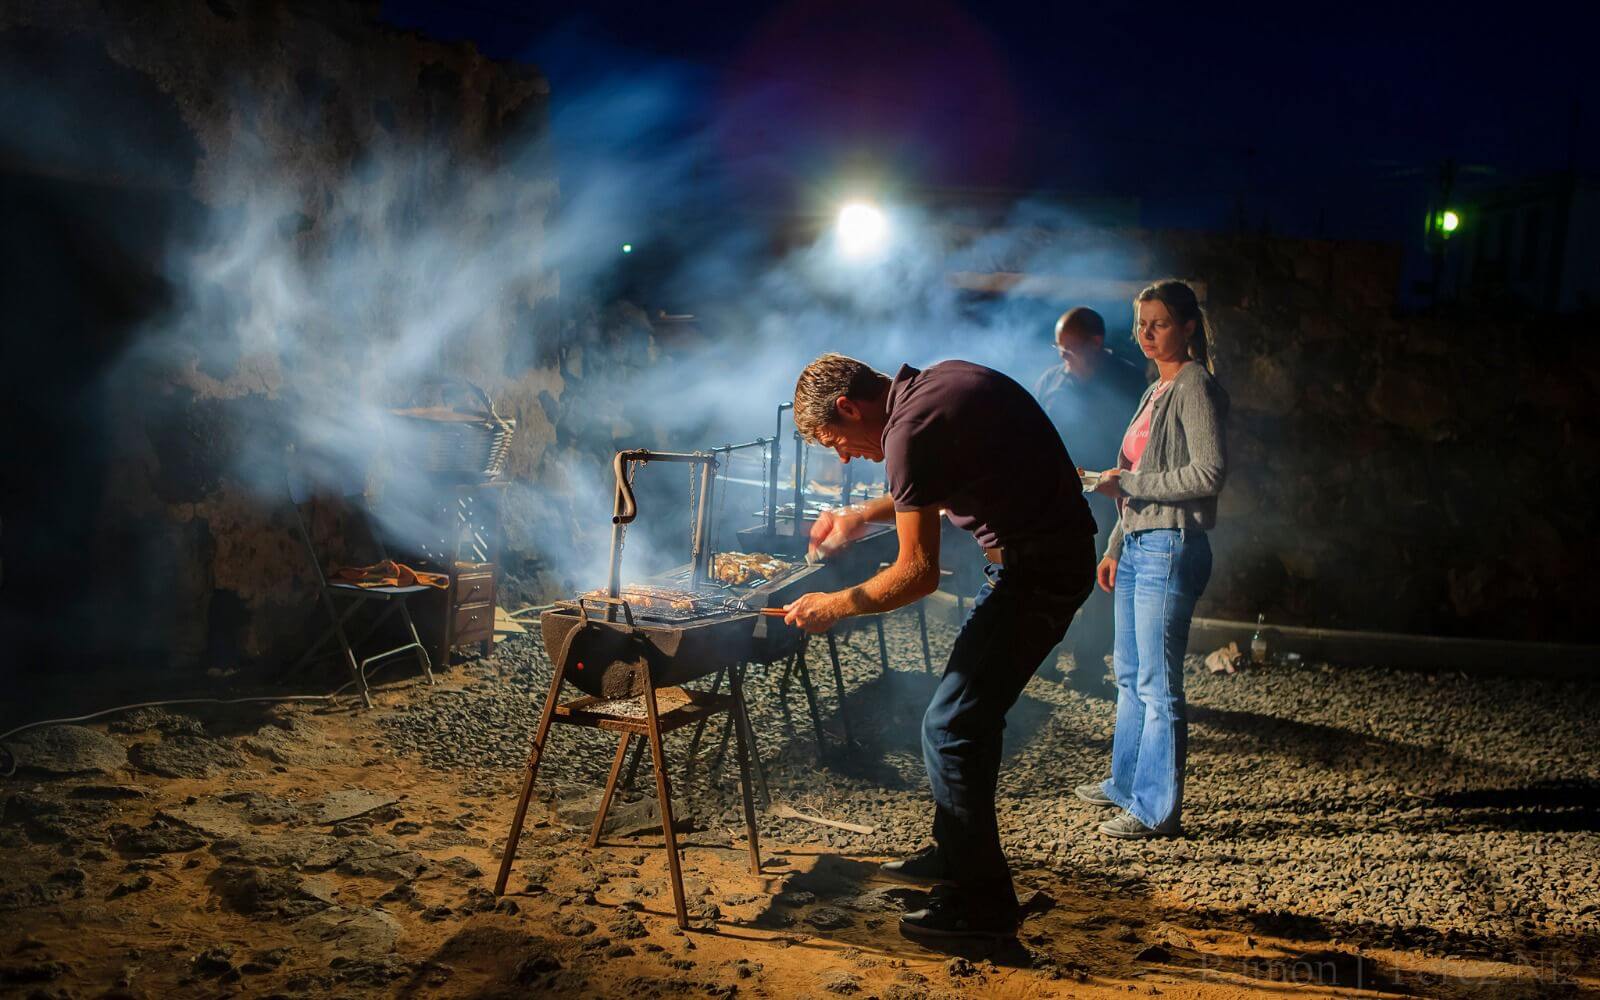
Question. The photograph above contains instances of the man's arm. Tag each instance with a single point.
(914, 574)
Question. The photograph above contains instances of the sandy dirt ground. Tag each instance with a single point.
(291, 852)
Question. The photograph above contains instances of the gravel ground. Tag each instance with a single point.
(1413, 810)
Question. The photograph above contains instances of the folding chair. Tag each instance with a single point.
(332, 593)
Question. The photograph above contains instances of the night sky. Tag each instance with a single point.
(1310, 119)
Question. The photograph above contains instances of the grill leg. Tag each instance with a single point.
(744, 791)
(783, 678)
(742, 720)
(633, 765)
(664, 798)
(611, 788)
(883, 644)
(811, 700)
(922, 625)
(699, 731)
(838, 683)
(722, 750)
(521, 814)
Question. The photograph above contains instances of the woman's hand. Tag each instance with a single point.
(1110, 484)
(834, 529)
(1106, 574)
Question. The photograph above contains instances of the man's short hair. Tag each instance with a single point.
(817, 392)
(1083, 321)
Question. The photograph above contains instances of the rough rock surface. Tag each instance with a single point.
(68, 750)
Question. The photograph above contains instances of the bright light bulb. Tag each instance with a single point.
(862, 229)
(627, 248)
(1450, 222)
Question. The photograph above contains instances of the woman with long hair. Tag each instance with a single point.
(1157, 563)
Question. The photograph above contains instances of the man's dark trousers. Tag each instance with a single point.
(1016, 620)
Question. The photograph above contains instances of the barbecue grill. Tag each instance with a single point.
(669, 638)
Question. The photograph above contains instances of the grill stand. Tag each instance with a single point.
(689, 708)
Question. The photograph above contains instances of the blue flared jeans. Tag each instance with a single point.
(1161, 573)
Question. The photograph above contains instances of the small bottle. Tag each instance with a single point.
(1258, 642)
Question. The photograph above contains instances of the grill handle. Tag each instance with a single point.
(627, 509)
(627, 610)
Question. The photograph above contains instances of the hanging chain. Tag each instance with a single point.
(694, 521)
(722, 498)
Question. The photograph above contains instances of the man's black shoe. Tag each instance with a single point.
(947, 918)
(926, 864)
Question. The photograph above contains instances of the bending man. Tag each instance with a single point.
(970, 442)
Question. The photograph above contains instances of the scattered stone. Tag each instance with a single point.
(291, 849)
(347, 804)
(960, 968)
(159, 838)
(1154, 953)
(619, 950)
(109, 793)
(138, 884)
(264, 961)
(210, 816)
(795, 897)
(213, 961)
(462, 868)
(844, 984)
(381, 857)
(434, 914)
(67, 750)
(158, 720)
(22, 973)
(828, 918)
(355, 933)
(185, 757)
(573, 925)
(251, 891)
(627, 925)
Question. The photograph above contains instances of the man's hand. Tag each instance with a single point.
(835, 529)
(1110, 484)
(815, 613)
(1106, 574)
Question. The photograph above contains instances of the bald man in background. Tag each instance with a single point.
(1090, 397)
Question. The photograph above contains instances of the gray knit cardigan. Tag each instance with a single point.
(1184, 462)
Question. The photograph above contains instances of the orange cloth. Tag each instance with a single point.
(387, 574)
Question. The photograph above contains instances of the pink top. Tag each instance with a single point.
(1138, 435)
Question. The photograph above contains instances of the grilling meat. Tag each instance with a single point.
(642, 596)
(740, 568)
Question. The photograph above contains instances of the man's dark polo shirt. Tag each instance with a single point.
(973, 441)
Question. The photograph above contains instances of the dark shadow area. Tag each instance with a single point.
(89, 216)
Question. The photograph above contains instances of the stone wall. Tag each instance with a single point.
(1422, 474)
(148, 546)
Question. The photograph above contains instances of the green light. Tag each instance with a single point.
(1449, 222)
(627, 248)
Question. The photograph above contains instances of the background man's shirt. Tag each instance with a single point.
(1092, 414)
